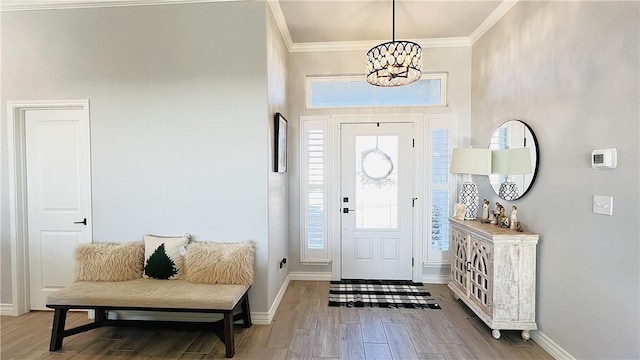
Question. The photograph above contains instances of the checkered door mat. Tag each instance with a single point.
(381, 293)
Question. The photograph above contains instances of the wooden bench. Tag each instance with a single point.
(149, 295)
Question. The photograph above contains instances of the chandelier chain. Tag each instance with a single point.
(393, 22)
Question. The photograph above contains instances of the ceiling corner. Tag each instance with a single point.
(281, 21)
(492, 19)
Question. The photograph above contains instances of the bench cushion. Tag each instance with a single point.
(149, 293)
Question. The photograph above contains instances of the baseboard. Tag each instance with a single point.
(265, 318)
(7, 309)
(261, 318)
(310, 276)
(327, 276)
(550, 346)
(436, 279)
(436, 273)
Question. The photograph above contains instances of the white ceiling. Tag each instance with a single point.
(311, 21)
(345, 24)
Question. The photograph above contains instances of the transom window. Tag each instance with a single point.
(353, 91)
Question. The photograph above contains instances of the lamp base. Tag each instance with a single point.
(508, 190)
(469, 197)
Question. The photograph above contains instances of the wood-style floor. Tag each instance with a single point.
(304, 328)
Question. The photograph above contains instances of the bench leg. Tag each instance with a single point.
(57, 329)
(228, 335)
(100, 315)
(246, 313)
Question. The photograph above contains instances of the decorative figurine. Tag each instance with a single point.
(458, 211)
(513, 218)
(496, 214)
(485, 211)
(504, 220)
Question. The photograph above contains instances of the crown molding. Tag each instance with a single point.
(366, 45)
(26, 5)
(276, 10)
(274, 5)
(491, 20)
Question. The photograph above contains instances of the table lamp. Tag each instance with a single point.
(470, 161)
(509, 162)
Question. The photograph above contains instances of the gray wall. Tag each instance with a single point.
(277, 54)
(571, 71)
(456, 61)
(177, 100)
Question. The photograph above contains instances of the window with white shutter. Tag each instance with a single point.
(314, 247)
(440, 192)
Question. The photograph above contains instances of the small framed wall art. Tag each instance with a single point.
(280, 148)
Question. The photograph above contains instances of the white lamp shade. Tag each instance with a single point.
(472, 161)
(511, 161)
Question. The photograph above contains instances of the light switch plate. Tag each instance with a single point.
(603, 205)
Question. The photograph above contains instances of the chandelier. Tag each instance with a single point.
(394, 63)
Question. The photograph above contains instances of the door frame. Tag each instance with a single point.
(334, 187)
(18, 211)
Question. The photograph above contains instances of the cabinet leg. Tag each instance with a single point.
(495, 333)
(525, 335)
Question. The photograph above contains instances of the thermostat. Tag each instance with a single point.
(604, 159)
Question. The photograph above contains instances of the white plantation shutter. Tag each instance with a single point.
(314, 188)
(440, 189)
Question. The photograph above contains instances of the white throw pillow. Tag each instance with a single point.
(109, 261)
(164, 256)
(220, 263)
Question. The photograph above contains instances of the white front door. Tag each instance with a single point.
(376, 203)
(59, 197)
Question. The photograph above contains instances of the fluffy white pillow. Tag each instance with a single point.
(220, 263)
(163, 256)
(109, 262)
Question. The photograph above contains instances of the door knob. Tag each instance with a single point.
(346, 210)
(83, 222)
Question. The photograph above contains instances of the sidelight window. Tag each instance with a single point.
(314, 191)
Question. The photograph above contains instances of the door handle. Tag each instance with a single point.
(346, 210)
(83, 222)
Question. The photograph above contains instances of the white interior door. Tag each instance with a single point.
(376, 185)
(58, 192)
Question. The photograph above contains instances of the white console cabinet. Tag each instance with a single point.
(493, 270)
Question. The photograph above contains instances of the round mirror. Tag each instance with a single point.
(514, 160)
